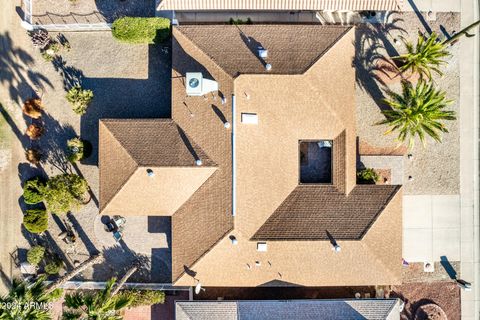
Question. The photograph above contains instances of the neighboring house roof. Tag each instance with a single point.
(310, 212)
(351, 5)
(128, 148)
(372, 309)
(291, 49)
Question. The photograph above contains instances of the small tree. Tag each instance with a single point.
(79, 98)
(428, 55)
(34, 131)
(96, 305)
(367, 176)
(34, 156)
(35, 255)
(53, 267)
(36, 220)
(23, 295)
(417, 112)
(65, 192)
(33, 108)
(33, 191)
(75, 149)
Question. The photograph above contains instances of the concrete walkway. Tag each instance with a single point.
(431, 228)
(469, 115)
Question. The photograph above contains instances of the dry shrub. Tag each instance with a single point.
(33, 156)
(33, 108)
(34, 131)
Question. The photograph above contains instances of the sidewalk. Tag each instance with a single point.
(469, 115)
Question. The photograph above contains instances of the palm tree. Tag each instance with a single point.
(102, 305)
(28, 301)
(428, 55)
(418, 111)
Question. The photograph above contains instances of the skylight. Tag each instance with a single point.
(316, 161)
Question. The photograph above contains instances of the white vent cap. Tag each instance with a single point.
(262, 53)
(262, 246)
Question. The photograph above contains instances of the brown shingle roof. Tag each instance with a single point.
(312, 210)
(128, 147)
(292, 49)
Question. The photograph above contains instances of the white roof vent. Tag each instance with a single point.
(262, 246)
(249, 118)
(198, 86)
(262, 53)
(150, 173)
(198, 162)
(268, 67)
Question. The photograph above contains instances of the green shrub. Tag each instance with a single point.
(33, 191)
(367, 176)
(54, 266)
(35, 220)
(75, 149)
(35, 255)
(141, 30)
(240, 21)
(65, 192)
(79, 99)
(143, 297)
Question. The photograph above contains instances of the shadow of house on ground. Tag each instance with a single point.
(129, 98)
(373, 52)
(154, 268)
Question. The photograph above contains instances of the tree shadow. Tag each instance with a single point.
(92, 250)
(145, 98)
(373, 50)
(16, 72)
(4, 278)
(54, 143)
(71, 76)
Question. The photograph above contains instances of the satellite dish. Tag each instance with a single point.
(198, 288)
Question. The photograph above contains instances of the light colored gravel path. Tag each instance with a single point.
(435, 169)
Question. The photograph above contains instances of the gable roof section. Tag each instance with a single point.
(373, 309)
(208, 5)
(129, 147)
(311, 211)
(292, 49)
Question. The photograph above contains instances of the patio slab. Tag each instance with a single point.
(431, 227)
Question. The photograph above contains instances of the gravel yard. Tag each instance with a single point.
(128, 81)
(435, 169)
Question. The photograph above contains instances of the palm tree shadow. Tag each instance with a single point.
(373, 52)
(16, 73)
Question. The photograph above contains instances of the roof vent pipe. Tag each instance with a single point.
(268, 67)
(198, 162)
(262, 53)
(150, 173)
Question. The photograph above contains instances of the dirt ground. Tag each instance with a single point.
(444, 294)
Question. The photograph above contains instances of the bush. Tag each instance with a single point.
(144, 297)
(54, 267)
(141, 30)
(35, 220)
(35, 255)
(79, 98)
(65, 192)
(33, 108)
(367, 176)
(33, 191)
(75, 149)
